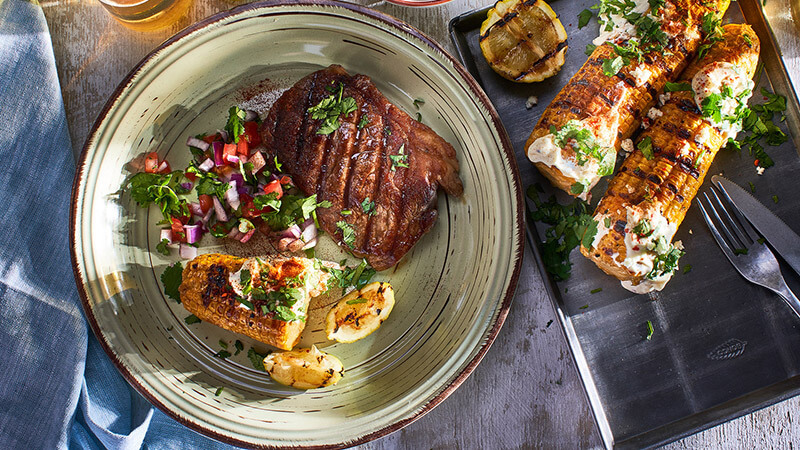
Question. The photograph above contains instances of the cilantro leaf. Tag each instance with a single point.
(646, 147)
(400, 159)
(161, 190)
(583, 18)
(357, 276)
(162, 248)
(257, 359)
(348, 233)
(171, 278)
(330, 109)
(191, 319)
(356, 301)
(368, 207)
(677, 87)
(612, 67)
(235, 125)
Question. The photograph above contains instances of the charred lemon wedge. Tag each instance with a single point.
(360, 312)
(523, 40)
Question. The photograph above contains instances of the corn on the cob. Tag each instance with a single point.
(648, 198)
(608, 109)
(214, 289)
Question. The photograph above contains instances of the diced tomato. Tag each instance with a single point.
(249, 210)
(191, 176)
(286, 179)
(242, 148)
(164, 167)
(274, 186)
(211, 138)
(206, 202)
(228, 150)
(151, 163)
(178, 233)
(251, 133)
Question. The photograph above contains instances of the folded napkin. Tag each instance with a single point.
(58, 388)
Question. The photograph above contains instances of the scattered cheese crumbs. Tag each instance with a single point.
(678, 245)
(531, 102)
(663, 98)
(627, 146)
(760, 170)
(641, 75)
(654, 113)
(690, 231)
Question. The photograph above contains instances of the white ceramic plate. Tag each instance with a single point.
(453, 289)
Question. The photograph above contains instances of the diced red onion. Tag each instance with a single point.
(207, 165)
(196, 210)
(222, 216)
(192, 233)
(243, 159)
(309, 231)
(243, 190)
(296, 246)
(233, 159)
(188, 185)
(247, 236)
(250, 116)
(274, 177)
(207, 217)
(197, 143)
(166, 233)
(223, 134)
(218, 153)
(283, 243)
(232, 195)
(309, 244)
(292, 232)
(238, 178)
(187, 251)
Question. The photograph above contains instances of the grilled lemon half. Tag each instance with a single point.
(360, 312)
(523, 40)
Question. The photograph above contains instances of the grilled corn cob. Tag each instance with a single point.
(576, 140)
(648, 198)
(263, 299)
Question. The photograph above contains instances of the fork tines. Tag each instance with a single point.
(739, 235)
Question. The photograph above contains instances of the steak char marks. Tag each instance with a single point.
(361, 164)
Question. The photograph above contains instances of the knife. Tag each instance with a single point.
(785, 241)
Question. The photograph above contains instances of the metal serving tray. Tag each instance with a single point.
(721, 347)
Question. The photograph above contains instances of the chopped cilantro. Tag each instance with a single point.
(161, 190)
(293, 209)
(330, 109)
(400, 159)
(239, 347)
(589, 49)
(171, 278)
(218, 392)
(712, 32)
(612, 67)
(583, 141)
(643, 228)
(677, 87)
(357, 276)
(649, 330)
(278, 166)
(761, 241)
(577, 188)
(223, 344)
(348, 233)
(607, 222)
(419, 117)
(363, 122)
(740, 251)
(752, 187)
(356, 301)
(191, 319)
(584, 306)
(583, 18)
(665, 262)
(271, 200)
(235, 125)
(418, 102)
(687, 268)
(368, 207)
(346, 212)
(162, 248)
(646, 147)
(257, 359)
(596, 290)
(775, 199)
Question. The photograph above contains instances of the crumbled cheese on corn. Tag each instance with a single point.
(641, 75)
(664, 98)
(760, 170)
(713, 79)
(654, 113)
(627, 146)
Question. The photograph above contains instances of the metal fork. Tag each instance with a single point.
(740, 243)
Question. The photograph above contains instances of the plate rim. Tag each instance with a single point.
(506, 152)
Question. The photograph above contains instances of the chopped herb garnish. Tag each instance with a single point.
(584, 306)
(235, 125)
(419, 117)
(761, 241)
(346, 212)
(649, 330)
(218, 391)
(357, 276)
(577, 188)
(677, 87)
(589, 49)
(643, 228)
(239, 347)
(356, 301)
(646, 147)
(331, 108)
(363, 122)
(775, 198)
(348, 233)
(368, 207)
(607, 222)
(222, 354)
(712, 31)
(418, 102)
(161, 190)
(223, 344)
(257, 359)
(162, 248)
(583, 18)
(665, 262)
(612, 67)
(171, 278)
(752, 187)
(400, 159)
(191, 319)
(596, 290)
(583, 141)
(687, 268)
(549, 322)
(740, 251)
(278, 166)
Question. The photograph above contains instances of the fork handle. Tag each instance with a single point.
(790, 299)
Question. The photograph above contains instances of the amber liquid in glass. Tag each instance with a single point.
(147, 15)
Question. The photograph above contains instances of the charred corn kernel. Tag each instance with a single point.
(304, 368)
(611, 93)
(360, 312)
(648, 198)
(523, 40)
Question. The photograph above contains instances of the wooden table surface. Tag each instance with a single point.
(526, 392)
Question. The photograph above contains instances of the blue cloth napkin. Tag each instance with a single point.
(58, 389)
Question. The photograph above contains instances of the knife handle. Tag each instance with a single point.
(790, 298)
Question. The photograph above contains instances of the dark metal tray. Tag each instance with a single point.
(722, 347)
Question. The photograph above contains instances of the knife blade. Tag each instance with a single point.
(782, 238)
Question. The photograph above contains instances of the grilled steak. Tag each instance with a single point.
(376, 162)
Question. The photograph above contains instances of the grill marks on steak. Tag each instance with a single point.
(351, 164)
